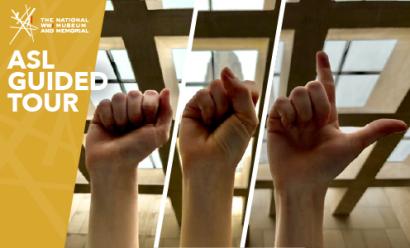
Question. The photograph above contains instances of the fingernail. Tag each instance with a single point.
(134, 93)
(229, 72)
(323, 59)
(166, 92)
(150, 92)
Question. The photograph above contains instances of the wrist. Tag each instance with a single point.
(209, 186)
(207, 205)
(208, 176)
(299, 217)
(114, 180)
(291, 184)
(296, 197)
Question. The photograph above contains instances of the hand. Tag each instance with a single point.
(306, 148)
(123, 132)
(216, 127)
(127, 129)
(218, 123)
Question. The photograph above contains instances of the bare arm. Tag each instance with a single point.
(299, 218)
(215, 130)
(207, 205)
(124, 131)
(114, 212)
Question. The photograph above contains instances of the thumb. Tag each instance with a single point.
(242, 99)
(254, 93)
(376, 130)
(164, 119)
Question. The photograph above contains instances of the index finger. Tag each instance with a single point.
(325, 76)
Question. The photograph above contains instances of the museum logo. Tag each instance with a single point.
(46, 25)
(23, 23)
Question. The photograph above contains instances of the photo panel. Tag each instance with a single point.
(235, 34)
(130, 57)
(368, 54)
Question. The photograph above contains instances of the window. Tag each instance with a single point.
(116, 65)
(109, 6)
(402, 150)
(277, 71)
(207, 65)
(357, 65)
(232, 4)
(153, 161)
(213, 5)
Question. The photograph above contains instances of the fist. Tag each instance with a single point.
(218, 123)
(126, 129)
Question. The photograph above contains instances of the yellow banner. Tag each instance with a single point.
(44, 44)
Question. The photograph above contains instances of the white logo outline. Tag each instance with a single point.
(23, 22)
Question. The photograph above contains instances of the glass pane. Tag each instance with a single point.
(104, 65)
(207, 65)
(407, 134)
(354, 90)
(98, 95)
(187, 93)
(241, 62)
(368, 55)
(146, 163)
(198, 66)
(178, 56)
(131, 86)
(203, 4)
(248, 61)
(401, 152)
(178, 4)
(335, 50)
(156, 159)
(275, 90)
(279, 58)
(109, 6)
(153, 161)
(123, 63)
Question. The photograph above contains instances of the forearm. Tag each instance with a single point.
(299, 221)
(113, 214)
(207, 209)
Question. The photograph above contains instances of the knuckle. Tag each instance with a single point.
(251, 123)
(280, 101)
(151, 92)
(244, 89)
(314, 85)
(134, 93)
(299, 91)
(162, 136)
(202, 93)
(118, 97)
(104, 103)
(255, 122)
(215, 84)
